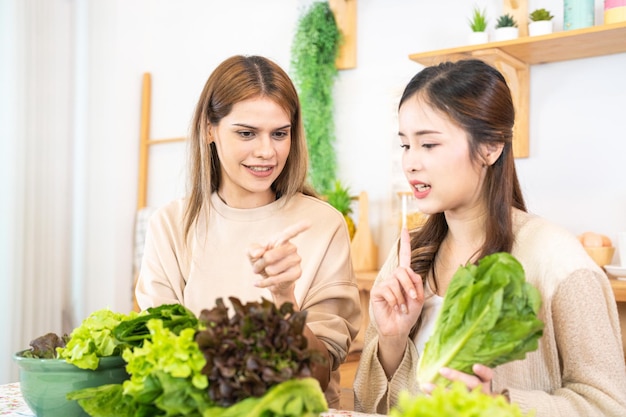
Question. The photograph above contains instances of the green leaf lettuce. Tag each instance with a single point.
(488, 316)
(455, 401)
(94, 339)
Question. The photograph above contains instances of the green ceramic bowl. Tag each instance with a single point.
(44, 383)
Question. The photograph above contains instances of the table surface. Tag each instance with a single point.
(11, 401)
(12, 404)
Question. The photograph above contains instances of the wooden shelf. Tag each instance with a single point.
(514, 58)
(532, 50)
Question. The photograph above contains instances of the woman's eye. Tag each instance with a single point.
(281, 135)
(405, 147)
(429, 145)
(246, 134)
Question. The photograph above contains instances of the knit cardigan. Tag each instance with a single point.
(578, 368)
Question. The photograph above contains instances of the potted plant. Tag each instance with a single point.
(339, 197)
(540, 22)
(506, 28)
(478, 24)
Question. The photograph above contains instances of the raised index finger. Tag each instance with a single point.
(291, 232)
(404, 255)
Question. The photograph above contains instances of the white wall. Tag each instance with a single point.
(575, 174)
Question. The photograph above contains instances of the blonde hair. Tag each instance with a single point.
(236, 79)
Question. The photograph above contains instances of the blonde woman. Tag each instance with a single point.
(240, 232)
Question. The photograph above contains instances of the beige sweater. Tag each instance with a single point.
(213, 263)
(578, 369)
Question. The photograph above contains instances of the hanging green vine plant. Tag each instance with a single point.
(313, 53)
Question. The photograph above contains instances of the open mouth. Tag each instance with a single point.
(259, 168)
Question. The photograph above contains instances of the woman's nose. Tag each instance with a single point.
(264, 148)
(411, 161)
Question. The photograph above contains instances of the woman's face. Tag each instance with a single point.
(253, 143)
(436, 160)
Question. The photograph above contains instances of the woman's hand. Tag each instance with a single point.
(396, 304)
(482, 378)
(397, 301)
(278, 262)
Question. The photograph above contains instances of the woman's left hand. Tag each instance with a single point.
(278, 261)
(482, 378)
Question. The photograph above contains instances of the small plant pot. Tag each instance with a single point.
(540, 27)
(476, 38)
(505, 34)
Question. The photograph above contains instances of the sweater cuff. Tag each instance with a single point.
(398, 380)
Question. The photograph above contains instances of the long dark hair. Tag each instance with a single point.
(476, 97)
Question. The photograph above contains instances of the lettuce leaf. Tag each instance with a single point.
(488, 316)
(455, 401)
(175, 317)
(167, 370)
(293, 398)
(94, 339)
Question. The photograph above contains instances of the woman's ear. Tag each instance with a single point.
(209, 134)
(492, 151)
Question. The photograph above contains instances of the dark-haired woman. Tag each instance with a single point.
(455, 128)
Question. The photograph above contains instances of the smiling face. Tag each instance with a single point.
(436, 160)
(252, 142)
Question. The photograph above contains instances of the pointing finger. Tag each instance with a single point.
(404, 255)
(291, 232)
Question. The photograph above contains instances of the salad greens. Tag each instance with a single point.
(165, 379)
(167, 370)
(292, 398)
(175, 317)
(45, 347)
(255, 349)
(94, 339)
(254, 363)
(455, 401)
(488, 316)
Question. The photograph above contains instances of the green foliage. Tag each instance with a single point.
(540, 14)
(478, 22)
(314, 50)
(180, 364)
(457, 401)
(45, 347)
(255, 349)
(506, 21)
(175, 317)
(488, 316)
(94, 339)
(166, 370)
(292, 398)
(339, 197)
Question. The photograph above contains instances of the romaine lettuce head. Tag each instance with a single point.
(488, 316)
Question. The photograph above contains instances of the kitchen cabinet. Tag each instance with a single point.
(515, 57)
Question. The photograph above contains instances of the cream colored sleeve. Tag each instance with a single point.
(332, 302)
(160, 279)
(373, 392)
